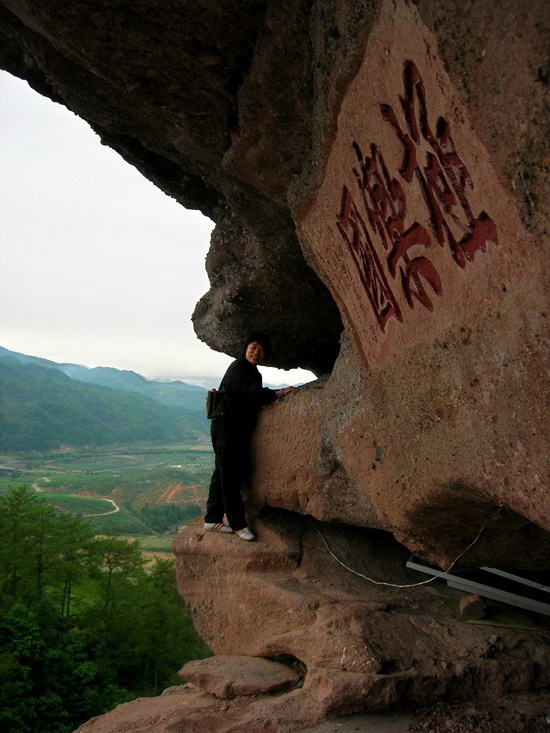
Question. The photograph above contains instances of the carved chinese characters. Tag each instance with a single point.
(391, 251)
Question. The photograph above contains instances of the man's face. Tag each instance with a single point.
(255, 352)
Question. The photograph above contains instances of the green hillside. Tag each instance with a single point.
(41, 408)
(175, 393)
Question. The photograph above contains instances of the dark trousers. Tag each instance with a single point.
(231, 451)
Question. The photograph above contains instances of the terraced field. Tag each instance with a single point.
(110, 488)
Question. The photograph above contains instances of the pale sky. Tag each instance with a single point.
(97, 265)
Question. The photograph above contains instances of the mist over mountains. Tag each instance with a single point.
(45, 405)
(172, 394)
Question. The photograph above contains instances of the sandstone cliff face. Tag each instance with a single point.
(377, 175)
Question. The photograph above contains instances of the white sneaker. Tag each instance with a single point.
(217, 527)
(245, 534)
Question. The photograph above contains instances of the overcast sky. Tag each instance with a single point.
(98, 266)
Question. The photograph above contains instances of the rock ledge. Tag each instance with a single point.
(230, 676)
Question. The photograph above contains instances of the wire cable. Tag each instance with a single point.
(396, 585)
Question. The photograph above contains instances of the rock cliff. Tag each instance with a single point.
(377, 173)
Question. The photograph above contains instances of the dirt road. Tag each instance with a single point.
(36, 487)
(104, 514)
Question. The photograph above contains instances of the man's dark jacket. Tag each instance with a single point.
(242, 395)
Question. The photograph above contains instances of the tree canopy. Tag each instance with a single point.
(83, 627)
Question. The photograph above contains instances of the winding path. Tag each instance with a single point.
(45, 479)
(104, 514)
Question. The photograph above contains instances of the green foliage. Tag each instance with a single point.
(83, 627)
(118, 524)
(162, 517)
(41, 408)
(49, 682)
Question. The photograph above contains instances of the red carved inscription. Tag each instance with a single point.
(355, 233)
(373, 220)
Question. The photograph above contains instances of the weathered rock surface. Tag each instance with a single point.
(334, 450)
(230, 676)
(357, 646)
(186, 709)
(378, 176)
(525, 713)
(361, 646)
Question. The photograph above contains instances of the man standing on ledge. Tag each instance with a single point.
(242, 395)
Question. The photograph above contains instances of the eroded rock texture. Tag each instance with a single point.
(377, 172)
(165, 86)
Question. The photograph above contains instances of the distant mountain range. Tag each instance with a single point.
(44, 405)
(172, 394)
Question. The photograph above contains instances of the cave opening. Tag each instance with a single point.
(446, 525)
(376, 558)
(290, 660)
(113, 267)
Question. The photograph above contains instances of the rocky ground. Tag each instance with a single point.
(186, 709)
(521, 713)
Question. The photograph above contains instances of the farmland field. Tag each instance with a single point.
(81, 505)
(114, 489)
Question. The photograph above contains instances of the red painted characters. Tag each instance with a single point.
(373, 220)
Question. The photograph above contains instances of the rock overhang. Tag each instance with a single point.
(353, 188)
(164, 90)
(373, 167)
(391, 219)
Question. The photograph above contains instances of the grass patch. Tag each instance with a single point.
(77, 504)
(120, 524)
(153, 543)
